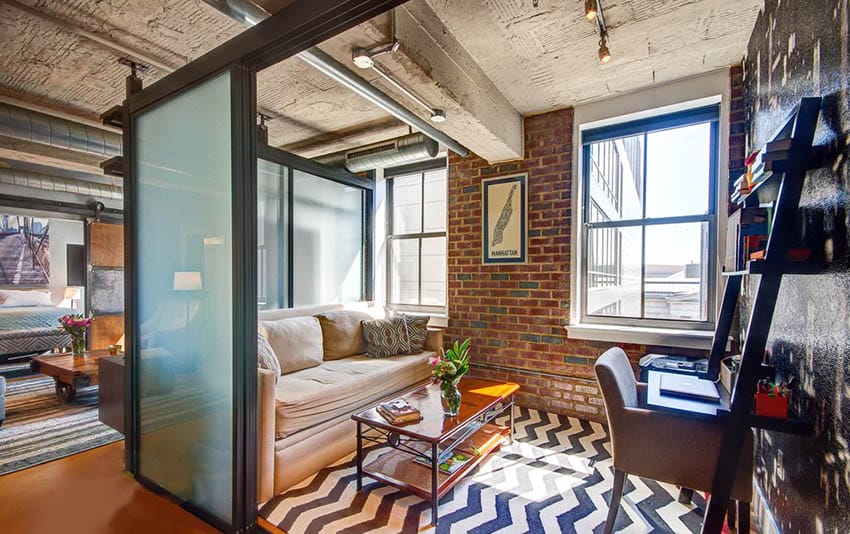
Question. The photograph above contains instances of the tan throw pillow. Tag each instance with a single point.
(297, 342)
(342, 335)
(385, 337)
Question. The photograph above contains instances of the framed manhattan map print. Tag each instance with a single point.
(504, 214)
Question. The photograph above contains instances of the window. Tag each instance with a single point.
(313, 233)
(416, 251)
(649, 232)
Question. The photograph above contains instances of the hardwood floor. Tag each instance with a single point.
(88, 493)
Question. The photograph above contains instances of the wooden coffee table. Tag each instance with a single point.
(69, 372)
(435, 436)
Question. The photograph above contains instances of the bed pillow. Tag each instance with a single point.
(10, 298)
(385, 337)
(296, 341)
(342, 333)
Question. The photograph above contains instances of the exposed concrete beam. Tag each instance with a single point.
(479, 115)
(33, 153)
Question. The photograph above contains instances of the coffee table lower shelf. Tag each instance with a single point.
(399, 469)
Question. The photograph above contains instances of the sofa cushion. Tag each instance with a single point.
(386, 337)
(342, 334)
(266, 358)
(313, 396)
(417, 331)
(297, 342)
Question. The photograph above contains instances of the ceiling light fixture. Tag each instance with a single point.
(593, 12)
(438, 115)
(590, 9)
(364, 58)
(604, 53)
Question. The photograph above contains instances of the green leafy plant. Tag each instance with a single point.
(452, 364)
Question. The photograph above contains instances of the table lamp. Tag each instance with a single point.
(187, 281)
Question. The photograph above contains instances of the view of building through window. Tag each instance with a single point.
(648, 210)
(417, 241)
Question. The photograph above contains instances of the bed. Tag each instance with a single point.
(31, 329)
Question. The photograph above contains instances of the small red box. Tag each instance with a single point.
(771, 406)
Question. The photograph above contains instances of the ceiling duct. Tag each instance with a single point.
(399, 151)
(57, 184)
(35, 127)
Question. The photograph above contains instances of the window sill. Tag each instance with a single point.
(662, 337)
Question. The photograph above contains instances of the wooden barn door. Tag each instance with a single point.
(105, 291)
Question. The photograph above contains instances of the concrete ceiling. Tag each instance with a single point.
(546, 57)
(486, 62)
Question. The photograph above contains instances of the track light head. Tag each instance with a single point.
(604, 53)
(362, 58)
(438, 115)
(590, 9)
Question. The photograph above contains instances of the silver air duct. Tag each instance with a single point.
(250, 14)
(36, 127)
(56, 184)
(399, 151)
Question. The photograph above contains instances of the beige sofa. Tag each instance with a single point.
(304, 419)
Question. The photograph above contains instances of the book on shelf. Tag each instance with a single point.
(399, 411)
(450, 464)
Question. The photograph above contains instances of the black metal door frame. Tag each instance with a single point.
(293, 29)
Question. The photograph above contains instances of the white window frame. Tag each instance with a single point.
(390, 175)
(662, 99)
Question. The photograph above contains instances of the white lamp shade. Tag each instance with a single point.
(187, 281)
(71, 293)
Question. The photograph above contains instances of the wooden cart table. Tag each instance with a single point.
(435, 436)
(69, 372)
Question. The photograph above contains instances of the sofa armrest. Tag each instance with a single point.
(265, 434)
(434, 339)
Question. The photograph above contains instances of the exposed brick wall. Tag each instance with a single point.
(515, 313)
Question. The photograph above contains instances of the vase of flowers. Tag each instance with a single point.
(76, 325)
(449, 367)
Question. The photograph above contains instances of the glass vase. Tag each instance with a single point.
(450, 395)
(78, 344)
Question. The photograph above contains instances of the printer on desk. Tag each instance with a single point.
(685, 365)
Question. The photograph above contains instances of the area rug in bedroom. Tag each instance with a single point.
(556, 477)
(39, 429)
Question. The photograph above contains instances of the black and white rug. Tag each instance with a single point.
(555, 477)
(38, 428)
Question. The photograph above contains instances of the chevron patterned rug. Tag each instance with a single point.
(555, 477)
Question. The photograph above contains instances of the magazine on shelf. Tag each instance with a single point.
(450, 464)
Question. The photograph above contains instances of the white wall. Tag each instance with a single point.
(62, 233)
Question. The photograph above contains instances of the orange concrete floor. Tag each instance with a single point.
(88, 493)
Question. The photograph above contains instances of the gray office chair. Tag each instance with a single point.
(662, 446)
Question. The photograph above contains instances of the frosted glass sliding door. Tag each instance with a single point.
(184, 295)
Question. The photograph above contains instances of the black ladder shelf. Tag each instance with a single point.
(784, 182)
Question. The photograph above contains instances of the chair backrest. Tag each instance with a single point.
(617, 381)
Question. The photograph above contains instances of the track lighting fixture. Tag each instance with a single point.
(590, 9)
(604, 53)
(438, 115)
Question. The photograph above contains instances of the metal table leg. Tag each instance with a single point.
(359, 457)
(513, 406)
(435, 469)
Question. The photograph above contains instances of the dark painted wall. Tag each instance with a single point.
(800, 48)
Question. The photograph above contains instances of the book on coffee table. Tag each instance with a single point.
(399, 411)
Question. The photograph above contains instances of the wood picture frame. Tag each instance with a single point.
(504, 219)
